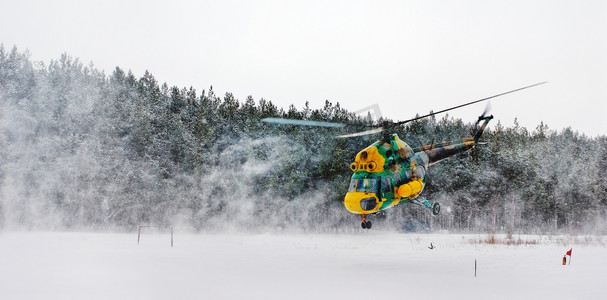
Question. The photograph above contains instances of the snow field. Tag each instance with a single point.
(371, 265)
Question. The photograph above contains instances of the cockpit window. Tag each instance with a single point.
(366, 185)
(352, 187)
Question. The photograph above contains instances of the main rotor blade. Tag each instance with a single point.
(302, 122)
(372, 131)
(466, 104)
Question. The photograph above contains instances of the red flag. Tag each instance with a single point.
(569, 252)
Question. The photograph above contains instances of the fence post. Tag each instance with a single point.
(146, 226)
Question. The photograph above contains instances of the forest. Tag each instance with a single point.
(82, 150)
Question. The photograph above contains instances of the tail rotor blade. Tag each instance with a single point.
(487, 109)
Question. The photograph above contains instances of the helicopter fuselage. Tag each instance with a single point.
(390, 173)
(385, 174)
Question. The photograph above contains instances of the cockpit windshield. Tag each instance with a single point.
(365, 185)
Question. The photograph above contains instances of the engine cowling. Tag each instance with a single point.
(369, 160)
(411, 188)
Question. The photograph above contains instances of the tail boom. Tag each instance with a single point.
(438, 152)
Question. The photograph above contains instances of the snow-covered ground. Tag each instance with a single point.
(364, 265)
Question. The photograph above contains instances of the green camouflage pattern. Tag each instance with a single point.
(404, 165)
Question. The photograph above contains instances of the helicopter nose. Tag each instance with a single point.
(361, 203)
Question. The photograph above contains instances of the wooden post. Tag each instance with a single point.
(171, 236)
(139, 231)
(475, 268)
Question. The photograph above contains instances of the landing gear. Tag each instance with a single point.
(435, 208)
(365, 224)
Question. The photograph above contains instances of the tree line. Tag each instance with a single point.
(82, 149)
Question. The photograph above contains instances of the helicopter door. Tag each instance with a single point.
(386, 186)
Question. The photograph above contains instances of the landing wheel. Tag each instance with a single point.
(435, 208)
(366, 225)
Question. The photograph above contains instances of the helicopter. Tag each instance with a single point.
(389, 172)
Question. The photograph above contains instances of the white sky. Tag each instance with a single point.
(407, 56)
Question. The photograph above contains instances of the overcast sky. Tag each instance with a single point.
(407, 56)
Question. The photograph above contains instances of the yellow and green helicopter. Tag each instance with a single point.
(389, 172)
